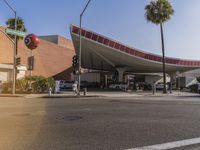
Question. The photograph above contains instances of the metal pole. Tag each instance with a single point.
(171, 80)
(79, 53)
(14, 57)
(14, 49)
(30, 71)
(79, 57)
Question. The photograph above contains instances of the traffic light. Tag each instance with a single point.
(18, 61)
(75, 61)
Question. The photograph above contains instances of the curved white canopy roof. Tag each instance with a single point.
(102, 53)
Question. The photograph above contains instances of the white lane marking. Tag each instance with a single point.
(169, 145)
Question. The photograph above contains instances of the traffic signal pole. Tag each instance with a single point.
(79, 53)
(30, 71)
(14, 49)
(14, 57)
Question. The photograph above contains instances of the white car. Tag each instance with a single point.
(118, 86)
(114, 86)
(160, 86)
(66, 84)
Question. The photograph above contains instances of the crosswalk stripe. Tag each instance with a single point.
(170, 145)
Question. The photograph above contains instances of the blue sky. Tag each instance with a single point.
(122, 20)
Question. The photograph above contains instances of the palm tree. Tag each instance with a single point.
(158, 12)
(20, 27)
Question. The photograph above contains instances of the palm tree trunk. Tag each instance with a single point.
(163, 59)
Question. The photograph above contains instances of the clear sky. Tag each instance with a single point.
(122, 20)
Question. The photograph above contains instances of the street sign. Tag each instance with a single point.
(15, 32)
(31, 63)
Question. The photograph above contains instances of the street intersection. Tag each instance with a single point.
(100, 123)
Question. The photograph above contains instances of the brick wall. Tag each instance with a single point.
(65, 42)
(50, 59)
(6, 48)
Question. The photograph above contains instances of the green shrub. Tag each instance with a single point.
(39, 84)
(7, 87)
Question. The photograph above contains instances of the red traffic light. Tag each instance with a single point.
(31, 41)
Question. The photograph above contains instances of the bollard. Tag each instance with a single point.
(85, 92)
(154, 88)
(50, 91)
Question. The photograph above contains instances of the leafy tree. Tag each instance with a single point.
(20, 27)
(158, 12)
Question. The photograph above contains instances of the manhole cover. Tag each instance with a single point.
(71, 118)
(21, 114)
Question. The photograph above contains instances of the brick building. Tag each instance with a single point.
(53, 57)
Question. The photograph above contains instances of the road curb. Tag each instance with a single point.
(10, 95)
(70, 96)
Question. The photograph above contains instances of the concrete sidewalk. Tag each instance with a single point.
(113, 94)
(122, 94)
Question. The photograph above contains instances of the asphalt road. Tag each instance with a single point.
(97, 123)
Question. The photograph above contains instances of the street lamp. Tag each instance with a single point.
(15, 47)
(79, 53)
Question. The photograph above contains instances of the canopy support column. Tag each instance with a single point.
(172, 78)
(121, 74)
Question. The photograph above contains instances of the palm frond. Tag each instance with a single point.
(158, 11)
(10, 23)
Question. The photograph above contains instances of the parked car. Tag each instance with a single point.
(93, 85)
(147, 86)
(84, 84)
(114, 86)
(195, 88)
(62, 83)
(118, 86)
(66, 84)
(160, 86)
